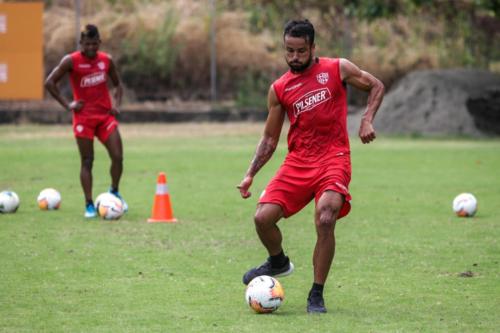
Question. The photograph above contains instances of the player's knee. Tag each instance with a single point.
(87, 161)
(327, 218)
(261, 220)
(117, 158)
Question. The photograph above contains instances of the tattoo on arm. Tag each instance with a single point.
(265, 150)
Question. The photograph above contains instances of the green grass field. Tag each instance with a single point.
(399, 253)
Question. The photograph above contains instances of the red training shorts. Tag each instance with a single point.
(100, 126)
(294, 187)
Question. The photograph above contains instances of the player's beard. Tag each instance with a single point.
(297, 67)
(90, 54)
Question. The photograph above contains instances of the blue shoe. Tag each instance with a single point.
(117, 194)
(90, 211)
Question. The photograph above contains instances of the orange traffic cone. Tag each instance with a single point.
(162, 210)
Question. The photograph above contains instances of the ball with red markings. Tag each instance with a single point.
(465, 205)
(49, 199)
(109, 207)
(264, 294)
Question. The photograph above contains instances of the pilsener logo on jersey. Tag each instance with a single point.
(310, 100)
(93, 79)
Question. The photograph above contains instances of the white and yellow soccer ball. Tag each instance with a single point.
(9, 202)
(101, 196)
(49, 199)
(108, 206)
(264, 294)
(465, 205)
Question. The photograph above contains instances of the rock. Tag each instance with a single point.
(442, 102)
(485, 109)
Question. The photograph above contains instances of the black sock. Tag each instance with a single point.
(317, 289)
(114, 189)
(89, 202)
(278, 260)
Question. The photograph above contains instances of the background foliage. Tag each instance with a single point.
(162, 47)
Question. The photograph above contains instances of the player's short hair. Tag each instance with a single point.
(300, 28)
(89, 31)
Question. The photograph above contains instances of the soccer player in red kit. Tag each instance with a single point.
(93, 110)
(318, 166)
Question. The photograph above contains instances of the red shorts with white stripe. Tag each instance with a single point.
(100, 126)
(293, 187)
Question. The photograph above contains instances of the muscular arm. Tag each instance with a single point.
(271, 135)
(65, 66)
(115, 79)
(268, 142)
(362, 80)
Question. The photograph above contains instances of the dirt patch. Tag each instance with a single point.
(190, 130)
(184, 130)
(48, 112)
(435, 102)
(28, 132)
(467, 274)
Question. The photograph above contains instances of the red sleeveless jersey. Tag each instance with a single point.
(316, 104)
(89, 82)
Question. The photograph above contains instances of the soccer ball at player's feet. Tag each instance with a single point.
(109, 207)
(9, 202)
(264, 294)
(49, 199)
(118, 195)
(465, 205)
(100, 197)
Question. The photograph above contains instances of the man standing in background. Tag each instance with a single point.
(92, 107)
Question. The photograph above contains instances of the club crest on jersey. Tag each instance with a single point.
(93, 79)
(101, 65)
(310, 100)
(322, 77)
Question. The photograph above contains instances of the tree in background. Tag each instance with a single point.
(163, 46)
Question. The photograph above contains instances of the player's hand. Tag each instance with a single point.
(114, 112)
(244, 186)
(366, 132)
(76, 105)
